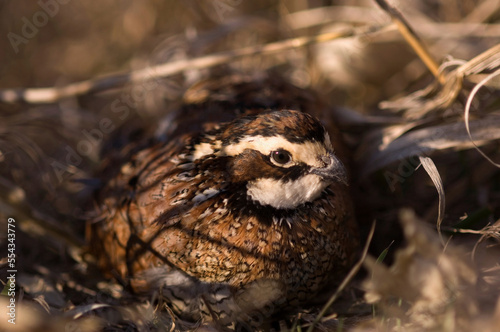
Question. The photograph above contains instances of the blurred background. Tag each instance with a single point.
(49, 152)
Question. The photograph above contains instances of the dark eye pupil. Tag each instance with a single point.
(281, 156)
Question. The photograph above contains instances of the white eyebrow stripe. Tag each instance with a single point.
(306, 152)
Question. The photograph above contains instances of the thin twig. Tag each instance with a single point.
(54, 94)
(488, 230)
(346, 280)
(480, 14)
(412, 39)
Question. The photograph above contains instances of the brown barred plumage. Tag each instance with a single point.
(237, 205)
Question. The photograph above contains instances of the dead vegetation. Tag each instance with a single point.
(438, 271)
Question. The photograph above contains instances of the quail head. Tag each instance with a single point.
(235, 208)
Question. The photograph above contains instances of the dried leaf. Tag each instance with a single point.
(43, 289)
(427, 140)
(30, 318)
(427, 288)
(431, 169)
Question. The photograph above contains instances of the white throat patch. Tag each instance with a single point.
(286, 195)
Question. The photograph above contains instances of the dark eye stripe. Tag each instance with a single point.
(272, 171)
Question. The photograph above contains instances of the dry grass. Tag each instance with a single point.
(394, 114)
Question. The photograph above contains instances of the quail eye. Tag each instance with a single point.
(281, 156)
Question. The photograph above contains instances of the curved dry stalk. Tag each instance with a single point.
(55, 94)
(467, 112)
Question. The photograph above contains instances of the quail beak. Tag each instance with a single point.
(333, 170)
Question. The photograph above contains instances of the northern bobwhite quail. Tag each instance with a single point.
(237, 206)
